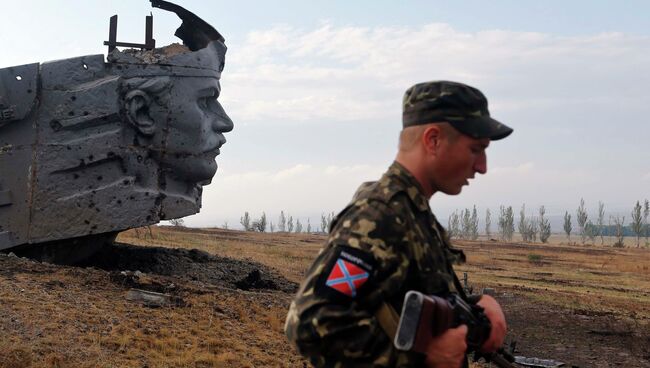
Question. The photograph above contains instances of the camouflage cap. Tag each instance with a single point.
(462, 106)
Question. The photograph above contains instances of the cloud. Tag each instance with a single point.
(359, 73)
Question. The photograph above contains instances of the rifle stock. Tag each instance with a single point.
(424, 317)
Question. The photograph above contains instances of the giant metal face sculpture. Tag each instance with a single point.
(94, 147)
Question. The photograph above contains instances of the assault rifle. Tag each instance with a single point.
(426, 316)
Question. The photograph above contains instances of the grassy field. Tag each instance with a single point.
(587, 305)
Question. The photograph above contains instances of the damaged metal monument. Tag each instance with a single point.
(90, 147)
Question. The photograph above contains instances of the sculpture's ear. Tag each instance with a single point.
(137, 104)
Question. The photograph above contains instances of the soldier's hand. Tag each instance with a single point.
(494, 313)
(448, 349)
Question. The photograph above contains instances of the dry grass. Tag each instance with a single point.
(55, 316)
(609, 280)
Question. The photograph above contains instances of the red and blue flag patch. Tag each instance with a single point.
(346, 277)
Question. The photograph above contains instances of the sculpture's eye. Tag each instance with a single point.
(206, 101)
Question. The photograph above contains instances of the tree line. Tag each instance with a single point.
(464, 224)
(285, 223)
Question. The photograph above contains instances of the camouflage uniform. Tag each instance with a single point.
(388, 232)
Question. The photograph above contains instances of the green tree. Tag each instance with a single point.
(474, 224)
(260, 224)
(567, 225)
(467, 224)
(290, 224)
(506, 223)
(488, 223)
(323, 223)
(245, 221)
(591, 231)
(637, 222)
(619, 226)
(453, 225)
(581, 217)
(522, 223)
(544, 226)
(601, 221)
(646, 214)
(282, 222)
(298, 226)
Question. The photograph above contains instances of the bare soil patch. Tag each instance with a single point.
(191, 265)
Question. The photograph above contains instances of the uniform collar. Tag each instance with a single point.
(412, 187)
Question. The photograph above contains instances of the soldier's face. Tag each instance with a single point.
(195, 122)
(459, 159)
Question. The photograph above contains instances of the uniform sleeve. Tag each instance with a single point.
(331, 321)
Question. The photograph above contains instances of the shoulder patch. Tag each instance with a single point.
(347, 273)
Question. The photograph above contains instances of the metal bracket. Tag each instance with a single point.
(149, 42)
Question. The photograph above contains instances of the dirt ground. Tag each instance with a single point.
(228, 292)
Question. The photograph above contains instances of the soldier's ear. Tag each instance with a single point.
(431, 139)
(137, 104)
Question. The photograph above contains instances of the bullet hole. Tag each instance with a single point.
(110, 154)
(91, 157)
(100, 178)
(86, 222)
(86, 113)
(73, 98)
(29, 91)
(139, 158)
(75, 176)
(55, 125)
(119, 201)
(149, 218)
(71, 113)
(68, 148)
(125, 182)
(94, 227)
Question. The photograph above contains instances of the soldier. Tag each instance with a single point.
(387, 241)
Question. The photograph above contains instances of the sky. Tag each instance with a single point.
(314, 89)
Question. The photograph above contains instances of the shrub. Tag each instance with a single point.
(535, 258)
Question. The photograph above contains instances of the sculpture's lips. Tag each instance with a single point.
(212, 151)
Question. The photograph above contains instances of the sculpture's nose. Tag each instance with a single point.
(222, 123)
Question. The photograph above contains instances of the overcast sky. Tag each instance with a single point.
(314, 89)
